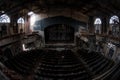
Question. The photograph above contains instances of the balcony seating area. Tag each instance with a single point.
(96, 62)
(24, 63)
(112, 74)
(46, 64)
(62, 65)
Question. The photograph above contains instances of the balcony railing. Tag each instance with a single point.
(10, 39)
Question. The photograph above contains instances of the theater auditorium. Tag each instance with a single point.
(59, 39)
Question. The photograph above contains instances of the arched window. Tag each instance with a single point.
(4, 19)
(114, 25)
(97, 24)
(20, 20)
(114, 19)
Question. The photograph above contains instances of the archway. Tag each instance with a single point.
(97, 24)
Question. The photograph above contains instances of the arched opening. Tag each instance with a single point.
(59, 33)
(97, 24)
(4, 18)
(20, 22)
(114, 25)
(3, 28)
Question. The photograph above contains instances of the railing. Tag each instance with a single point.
(10, 39)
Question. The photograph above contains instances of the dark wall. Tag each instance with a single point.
(42, 24)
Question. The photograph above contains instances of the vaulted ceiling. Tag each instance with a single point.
(87, 7)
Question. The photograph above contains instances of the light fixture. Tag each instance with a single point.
(24, 49)
(2, 11)
(30, 13)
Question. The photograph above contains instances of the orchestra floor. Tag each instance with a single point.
(58, 65)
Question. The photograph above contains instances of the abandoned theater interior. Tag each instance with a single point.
(59, 39)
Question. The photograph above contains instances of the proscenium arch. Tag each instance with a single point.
(42, 24)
